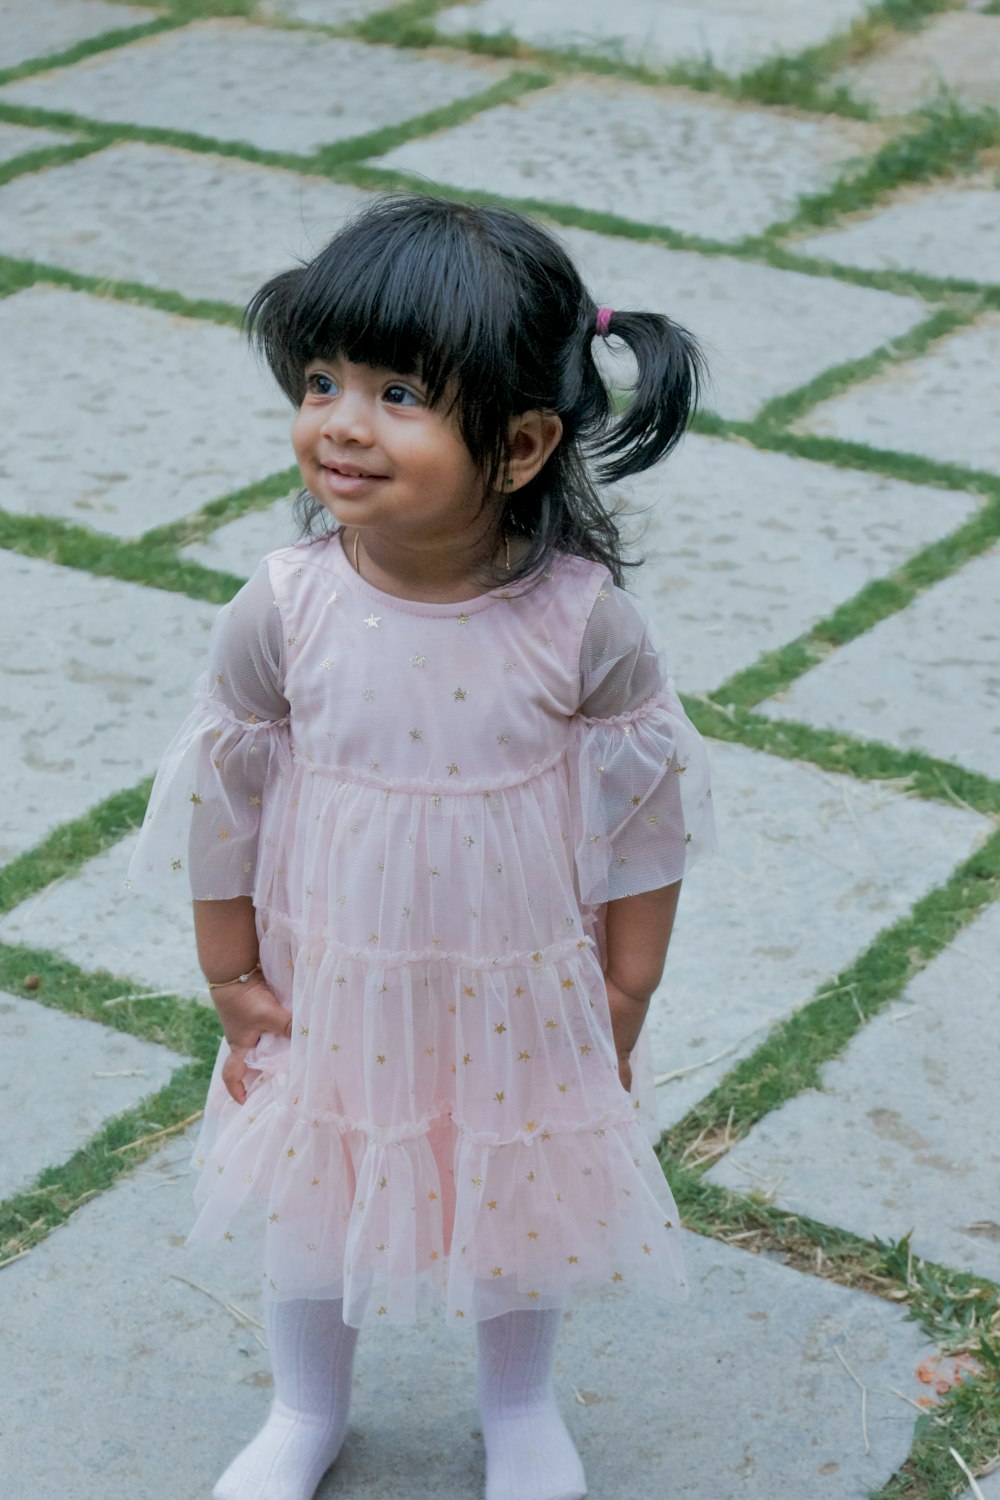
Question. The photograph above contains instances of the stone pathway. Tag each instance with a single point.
(823, 566)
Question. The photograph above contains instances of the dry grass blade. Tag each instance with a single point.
(977, 1493)
(243, 1318)
(12, 1258)
(706, 1062)
(158, 1135)
(157, 995)
(864, 1398)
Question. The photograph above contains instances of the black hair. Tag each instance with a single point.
(488, 310)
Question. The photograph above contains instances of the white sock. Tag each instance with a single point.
(312, 1355)
(529, 1453)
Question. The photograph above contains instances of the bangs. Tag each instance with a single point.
(405, 288)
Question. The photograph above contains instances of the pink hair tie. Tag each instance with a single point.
(604, 316)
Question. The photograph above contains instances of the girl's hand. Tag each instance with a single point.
(246, 1011)
(627, 1016)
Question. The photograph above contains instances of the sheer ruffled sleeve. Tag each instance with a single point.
(204, 812)
(640, 770)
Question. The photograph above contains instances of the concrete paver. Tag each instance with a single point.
(927, 678)
(668, 157)
(745, 550)
(764, 331)
(323, 12)
(48, 26)
(947, 231)
(205, 226)
(17, 140)
(94, 920)
(228, 80)
(795, 841)
(97, 675)
(165, 1358)
(735, 34)
(942, 404)
(70, 1076)
(143, 453)
(748, 548)
(239, 546)
(955, 53)
(896, 1138)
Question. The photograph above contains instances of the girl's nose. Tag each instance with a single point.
(348, 419)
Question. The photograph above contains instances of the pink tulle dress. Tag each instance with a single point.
(430, 804)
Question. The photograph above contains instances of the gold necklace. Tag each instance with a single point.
(357, 539)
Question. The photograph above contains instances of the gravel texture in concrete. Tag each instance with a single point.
(747, 1371)
(667, 157)
(229, 81)
(204, 226)
(734, 34)
(143, 451)
(941, 693)
(897, 1138)
(95, 921)
(948, 231)
(44, 27)
(942, 404)
(794, 842)
(18, 140)
(99, 673)
(745, 550)
(68, 1076)
(955, 54)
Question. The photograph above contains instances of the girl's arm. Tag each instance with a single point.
(226, 934)
(637, 933)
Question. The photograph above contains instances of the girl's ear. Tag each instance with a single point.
(531, 437)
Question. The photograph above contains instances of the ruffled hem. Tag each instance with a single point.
(435, 1220)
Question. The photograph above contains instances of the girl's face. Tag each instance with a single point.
(376, 455)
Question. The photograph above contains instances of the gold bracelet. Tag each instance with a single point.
(220, 984)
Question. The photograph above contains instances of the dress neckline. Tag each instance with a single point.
(452, 607)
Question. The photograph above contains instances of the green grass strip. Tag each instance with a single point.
(786, 409)
(39, 158)
(71, 845)
(947, 141)
(377, 142)
(131, 562)
(316, 162)
(183, 1024)
(16, 275)
(106, 42)
(958, 1311)
(792, 1056)
(845, 754)
(29, 1216)
(879, 600)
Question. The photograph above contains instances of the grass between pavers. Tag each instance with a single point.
(800, 81)
(318, 162)
(960, 1312)
(775, 671)
(151, 559)
(107, 41)
(792, 1056)
(180, 1023)
(945, 140)
(67, 848)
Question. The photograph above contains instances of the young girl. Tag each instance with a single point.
(435, 805)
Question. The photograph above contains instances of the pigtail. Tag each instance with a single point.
(668, 385)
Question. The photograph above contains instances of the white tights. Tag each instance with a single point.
(529, 1453)
(312, 1355)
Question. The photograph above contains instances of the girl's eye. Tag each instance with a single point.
(401, 395)
(318, 384)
